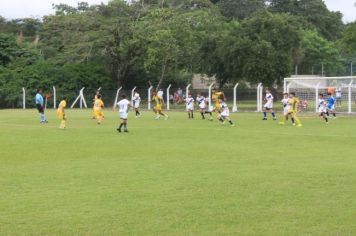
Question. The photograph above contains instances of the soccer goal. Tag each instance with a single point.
(308, 88)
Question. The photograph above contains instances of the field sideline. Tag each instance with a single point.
(176, 177)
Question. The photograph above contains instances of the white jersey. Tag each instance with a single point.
(160, 93)
(269, 99)
(322, 105)
(136, 101)
(123, 108)
(338, 93)
(202, 102)
(224, 109)
(286, 106)
(189, 103)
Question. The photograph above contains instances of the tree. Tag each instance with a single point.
(240, 9)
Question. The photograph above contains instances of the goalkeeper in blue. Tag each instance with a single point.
(331, 106)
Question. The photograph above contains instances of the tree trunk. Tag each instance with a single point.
(162, 74)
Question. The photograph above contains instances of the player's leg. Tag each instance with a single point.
(229, 120)
(273, 114)
(265, 113)
(202, 113)
(192, 113)
(162, 114)
(323, 114)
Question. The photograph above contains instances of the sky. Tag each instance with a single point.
(12, 9)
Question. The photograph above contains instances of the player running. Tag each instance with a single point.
(294, 109)
(217, 95)
(202, 107)
(322, 108)
(40, 107)
(225, 113)
(94, 100)
(331, 106)
(268, 107)
(286, 108)
(98, 109)
(61, 114)
(189, 104)
(136, 104)
(123, 105)
(158, 107)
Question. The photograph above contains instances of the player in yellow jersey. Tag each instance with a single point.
(98, 109)
(94, 100)
(217, 95)
(294, 109)
(61, 114)
(158, 106)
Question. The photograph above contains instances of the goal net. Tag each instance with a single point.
(308, 88)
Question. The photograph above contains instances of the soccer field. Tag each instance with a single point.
(176, 177)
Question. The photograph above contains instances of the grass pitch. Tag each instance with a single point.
(176, 177)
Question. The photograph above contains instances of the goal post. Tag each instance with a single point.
(308, 88)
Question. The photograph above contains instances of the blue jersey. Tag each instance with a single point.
(39, 99)
(331, 102)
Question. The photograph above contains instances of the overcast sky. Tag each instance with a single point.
(11, 9)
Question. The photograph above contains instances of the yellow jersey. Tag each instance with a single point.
(98, 104)
(294, 104)
(61, 106)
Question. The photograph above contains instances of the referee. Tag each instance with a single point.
(39, 105)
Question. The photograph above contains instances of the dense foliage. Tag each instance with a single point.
(166, 42)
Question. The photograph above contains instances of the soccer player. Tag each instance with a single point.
(225, 112)
(216, 97)
(268, 107)
(94, 100)
(202, 107)
(123, 105)
(338, 96)
(40, 107)
(322, 108)
(136, 104)
(189, 103)
(286, 108)
(331, 106)
(294, 109)
(98, 109)
(158, 107)
(61, 114)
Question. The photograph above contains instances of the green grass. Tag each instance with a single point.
(176, 177)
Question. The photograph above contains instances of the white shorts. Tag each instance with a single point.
(268, 105)
(322, 109)
(190, 108)
(202, 106)
(225, 113)
(124, 115)
(286, 110)
(136, 104)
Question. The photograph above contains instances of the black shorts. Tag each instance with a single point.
(39, 108)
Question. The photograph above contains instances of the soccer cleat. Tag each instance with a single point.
(166, 118)
(293, 124)
(232, 125)
(300, 125)
(119, 130)
(264, 119)
(157, 117)
(274, 118)
(126, 131)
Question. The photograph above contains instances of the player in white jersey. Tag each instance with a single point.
(160, 93)
(322, 108)
(268, 107)
(202, 107)
(189, 103)
(123, 105)
(286, 109)
(136, 104)
(225, 113)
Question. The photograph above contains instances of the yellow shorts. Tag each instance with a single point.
(158, 108)
(60, 115)
(98, 114)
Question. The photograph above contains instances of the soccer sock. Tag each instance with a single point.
(121, 126)
(192, 115)
(326, 118)
(273, 115)
(327, 113)
(230, 121)
(189, 114)
(221, 119)
(264, 114)
(297, 120)
(125, 126)
(63, 124)
(293, 121)
(334, 114)
(202, 115)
